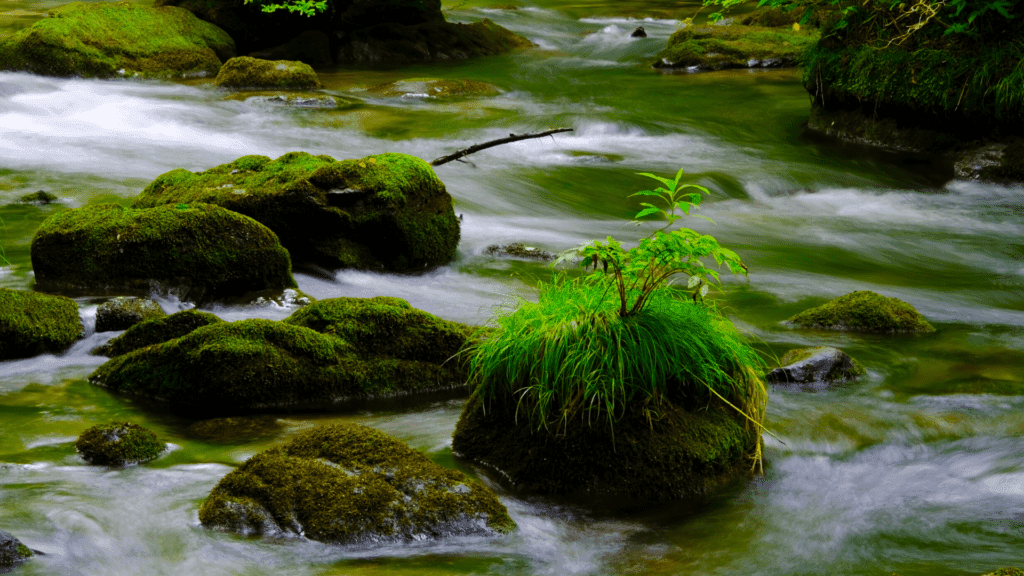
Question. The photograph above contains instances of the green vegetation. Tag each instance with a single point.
(118, 444)
(32, 323)
(735, 46)
(304, 7)
(156, 331)
(40, 197)
(434, 88)
(246, 72)
(350, 484)
(864, 311)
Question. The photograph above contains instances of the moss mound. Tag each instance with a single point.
(368, 348)
(156, 331)
(123, 312)
(107, 39)
(864, 311)
(118, 444)
(387, 211)
(206, 252)
(433, 88)
(349, 484)
(246, 72)
(12, 551)
(33, 323)
(41, 197)
(735, 46)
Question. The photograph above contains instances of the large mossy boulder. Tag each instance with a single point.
(108, 39)
(12, 551)
(387, 211)
(716, 47)
(156, 330)
(202, 251)
(118, 444)
(330, 351)
(349, 484)
(32, 323)
(863, 311)
(246, 72)
(123, 312)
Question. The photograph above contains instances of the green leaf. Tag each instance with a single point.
(647, 211)
(670, 183)
(645, 193)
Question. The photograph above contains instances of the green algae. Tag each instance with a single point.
(156, 331)
(123, 312)
(107, 39)
(205, 251)
(735, 46)
(33, 323)
(351, 484)
(118, 444)
(864, 311)
(246, 72)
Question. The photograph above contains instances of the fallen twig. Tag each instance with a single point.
(478, 147)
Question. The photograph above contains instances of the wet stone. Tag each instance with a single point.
(124, 312)
(12, 551)
(817, 366)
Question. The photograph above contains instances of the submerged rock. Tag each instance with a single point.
(327, 352)
(156, 331)
(817, 365)
(32, 323)
(123, 312)
(118, 444)
(349, 484)
(519, 250)
(735, 46)
(108, 39)
(433, 88)
(312, 100)
(863, 311)
(41, 197)
(203, 251)
(12, 551)
(235, 429)
(246, 72)
(387, 211)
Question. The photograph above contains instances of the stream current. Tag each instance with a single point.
(918, 468)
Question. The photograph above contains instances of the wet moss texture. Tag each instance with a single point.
(864, 311)
(32, 323)
(246, 72)
(350, 484)
(735, 46)
(156, 331)
(12, 551)
(123, 312)
(201, 251)
(118, 444)
(110, 39)
(387, 211)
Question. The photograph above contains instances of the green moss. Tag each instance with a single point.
(118, 444)
(156, 331)
(236, 429)
(735, 46)
(864, 311)
(305, 100)
(107, 39)
(123, 312)
(1009, 571)
(384, 211)
(12, 551)
(33, 323)
(246, 72)
(205, 251)
(40, 197)
(434, 88)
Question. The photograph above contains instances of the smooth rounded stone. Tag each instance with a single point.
(350, 484)
(246, 72)
(118, 444)
(108, 39)
(32, 323)
(863, 311)
(307, 100)
(235, 429)
(433, 88)
(734, 46)
(639, 33)
(519, 250)
(820, 365)
(12, 551)
(156, 331)
(387, 211)
(200, 251)
(312, 47)
(329, 352)
(41, 197)
(123, 312)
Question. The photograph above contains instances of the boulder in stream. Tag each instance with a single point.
(820, 365)
(863, 311)
(254, 73)
(110, 39)
(32, 323)
(41, 197)
(118, 444)
(156, 330)
(715, 47)
(12, 551)
(387, 211)
(349, 484)
(123, 312)
(202, 251)
(433, 88)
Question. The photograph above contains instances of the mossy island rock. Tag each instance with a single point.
(32, 323)
(12, 551)
(863, 311)
(41, 197)
(156, 330)
(433, 88)
(349, 484)
(820, 365)
(246, 72)
(123, 312)
(716, 47)
(107, 39)
(118, 444)
(204, 252)
(387, 211)
(328, 352)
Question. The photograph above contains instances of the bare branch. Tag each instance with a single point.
(478, 147)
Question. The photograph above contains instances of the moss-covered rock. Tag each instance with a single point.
(123, 312)
(1008, 571)
(12, 551)
(815, 366)
(349, 484)
(156, 331)
(864, 311)
(677, 455)
(387, 211)
(519, 250)
(41, 197)
(203, 251)
(118, 444)
(33, 323)
(315, 100)
(433, 88)
(108, 39)
(327, 352)
(396, 44)
(246, 72)
(735, 46)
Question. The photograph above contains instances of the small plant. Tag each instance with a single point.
(304, 7)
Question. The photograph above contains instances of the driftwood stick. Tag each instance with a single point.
(478, 147)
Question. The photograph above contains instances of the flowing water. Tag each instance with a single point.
(918, 468)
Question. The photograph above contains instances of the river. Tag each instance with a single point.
(918, 468)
